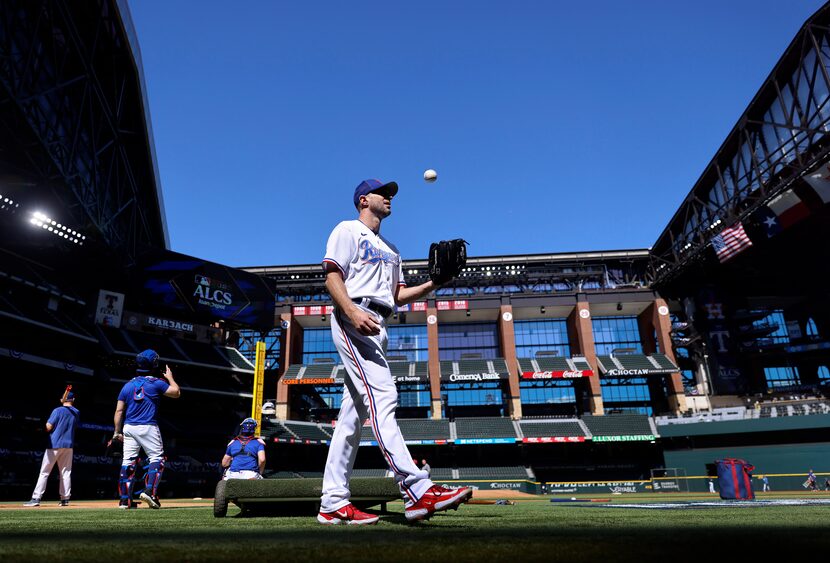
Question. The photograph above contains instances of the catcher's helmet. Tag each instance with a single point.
(248, 427)
(146, 361)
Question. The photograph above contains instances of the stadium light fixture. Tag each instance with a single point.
(542, 309)
(45, 222)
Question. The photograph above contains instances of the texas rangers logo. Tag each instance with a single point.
(371, 255)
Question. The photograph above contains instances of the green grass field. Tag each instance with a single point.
(534, 530)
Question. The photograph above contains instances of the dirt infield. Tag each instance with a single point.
(81, 504)
(205, 502)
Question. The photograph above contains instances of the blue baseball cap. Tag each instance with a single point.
(146, 361)
(374, 185)
(70, 396)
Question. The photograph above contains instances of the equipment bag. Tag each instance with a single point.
(735, 479)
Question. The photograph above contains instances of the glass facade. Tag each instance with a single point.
(783, 376)
(544, 335)
(247, 346)
(468, 338)
(621, 394)
(780, 336)
(409, 341)
(457, 339)
(317, 343)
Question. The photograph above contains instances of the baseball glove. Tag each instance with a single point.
(446, 259)
(115, 448)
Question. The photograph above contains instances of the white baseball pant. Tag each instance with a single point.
(368, 393)
(142, 436)
(63, 457)
(242, 474)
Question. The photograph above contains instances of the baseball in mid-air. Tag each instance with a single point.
(430, 175)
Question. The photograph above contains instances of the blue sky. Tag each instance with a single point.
(554, 127)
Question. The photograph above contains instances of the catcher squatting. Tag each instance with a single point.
(364, 276)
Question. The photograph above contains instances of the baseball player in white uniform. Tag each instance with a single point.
(364, 277)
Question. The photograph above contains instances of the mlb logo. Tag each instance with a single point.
(202, 280)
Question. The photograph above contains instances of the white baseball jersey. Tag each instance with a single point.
(371, 268)
(370, 264)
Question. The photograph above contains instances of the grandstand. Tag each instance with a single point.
(521, 369)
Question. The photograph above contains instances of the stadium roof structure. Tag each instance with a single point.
(515, 274)
(780, 138)
(78, 138)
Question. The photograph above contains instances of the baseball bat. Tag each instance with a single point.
(65, 393)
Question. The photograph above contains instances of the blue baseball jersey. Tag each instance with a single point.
(64, 421)
(245, 456)
(142, 395)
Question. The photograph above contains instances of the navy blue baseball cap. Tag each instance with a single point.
(146, 361)
(374, 185)
(70, 396)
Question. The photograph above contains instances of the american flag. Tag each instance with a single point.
(730, 242)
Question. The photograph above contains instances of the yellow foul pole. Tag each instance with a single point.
(259, 376)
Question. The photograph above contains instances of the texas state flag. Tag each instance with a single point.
(789, 208)
(766, 221)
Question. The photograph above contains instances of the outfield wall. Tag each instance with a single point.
(786, 465)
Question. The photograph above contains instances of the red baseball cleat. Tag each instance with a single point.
(347, 515)
(436, 499)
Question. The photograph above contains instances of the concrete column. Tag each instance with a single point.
(658, 315)
(581, 337)
(291, 351)
(507, 341)
(434, 363)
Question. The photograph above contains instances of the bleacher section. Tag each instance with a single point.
(370, 473)
(160, 344)
(233, 357)
(425, 429)
(399, 369)
(496, 365)
(438, 473)
(553, 363)
(582, 364)
(549, 428)
(618, 425)
(664, 362)
(484, 428)
(655, 364)
(517, 472)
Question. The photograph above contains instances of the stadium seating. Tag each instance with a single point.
(399, 369)
(161, 344)
(439, 473)
(425, 429)
(484, 427)
(515, 472)
(618, 425)
(635, 361)
(233, 357)
(306, 431)
(552, 363)
(115, 338)
(551, 428)
(370, 472)
(582, 364)
(664, 362)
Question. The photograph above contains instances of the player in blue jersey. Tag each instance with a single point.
(245, 454)
(61, 427)
(137, 411)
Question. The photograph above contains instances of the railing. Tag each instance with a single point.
(759, 410)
